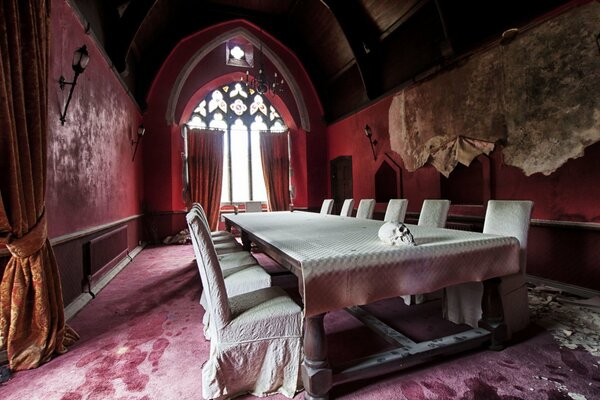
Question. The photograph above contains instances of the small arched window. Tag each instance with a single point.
(242, 113)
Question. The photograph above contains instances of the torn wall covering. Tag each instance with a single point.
(541, 93)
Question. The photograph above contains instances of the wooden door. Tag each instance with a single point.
(341, 181)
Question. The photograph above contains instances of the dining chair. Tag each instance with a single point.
(396, 210)
(223, 244)
(256, 337)
(213, 234)
(434, 213)
(253, 206)
(462, 303)
(240, 270)
(327, 206)
(347, 208)
(231, 261)
(365, 210)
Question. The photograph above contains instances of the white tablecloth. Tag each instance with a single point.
(343, 263)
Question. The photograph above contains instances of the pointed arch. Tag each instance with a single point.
(214, 43)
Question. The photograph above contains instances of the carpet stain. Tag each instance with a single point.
(508, 364)
(133, 379)
(158, 349)
(412, 390)
(440, 389)
(147, 327)
(72, 396)
(478, 389)
(571, 361)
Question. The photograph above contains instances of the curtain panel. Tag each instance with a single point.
(32, 323)
(276, 169)
(205, 166)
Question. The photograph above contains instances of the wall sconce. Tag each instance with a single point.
(140, 133)
(372, 141)
(81, 59)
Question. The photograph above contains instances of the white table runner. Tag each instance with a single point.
(343, 263)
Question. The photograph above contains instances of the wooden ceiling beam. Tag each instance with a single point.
(363, 37)
(124, 33)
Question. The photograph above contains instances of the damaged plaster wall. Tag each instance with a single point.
(540, 93)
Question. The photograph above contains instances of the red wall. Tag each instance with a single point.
(92, 184)
(163, 168)
(572, 193)
(568, 254)
(91, 179)
(347, 138)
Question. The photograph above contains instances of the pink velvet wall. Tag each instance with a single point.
(91, 179)
(162, 159)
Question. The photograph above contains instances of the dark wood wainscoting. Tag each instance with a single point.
(73, 256)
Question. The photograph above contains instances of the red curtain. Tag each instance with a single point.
(205, 165)
(32, 324)
(276, 169)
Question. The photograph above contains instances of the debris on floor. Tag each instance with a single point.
(572, 320)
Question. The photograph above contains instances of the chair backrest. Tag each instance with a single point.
(396, 210)
(199, 210)
(347, 208)
(327, 206)
(253, 206)
(434, 213)
(211, 274)
(510, 218)
(365, 209)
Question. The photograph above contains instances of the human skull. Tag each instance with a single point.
(396, 234)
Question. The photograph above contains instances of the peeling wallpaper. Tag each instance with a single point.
(553, 91)
(540, 94)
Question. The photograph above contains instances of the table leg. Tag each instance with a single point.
(492, 317)
(246, 242)
(316, 373)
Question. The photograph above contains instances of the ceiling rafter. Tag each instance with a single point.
(363, 37)
(127, 27)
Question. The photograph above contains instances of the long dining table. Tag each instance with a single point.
(341, 263)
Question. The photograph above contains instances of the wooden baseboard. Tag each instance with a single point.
(565, 287)
(80, 301)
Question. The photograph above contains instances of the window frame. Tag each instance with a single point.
(202, 113)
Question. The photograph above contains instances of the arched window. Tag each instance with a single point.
(242, 113)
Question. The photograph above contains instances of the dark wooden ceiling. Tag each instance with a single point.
(355, 51)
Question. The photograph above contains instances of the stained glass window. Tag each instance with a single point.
(242, 113)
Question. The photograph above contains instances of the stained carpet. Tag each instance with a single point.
(141, 339)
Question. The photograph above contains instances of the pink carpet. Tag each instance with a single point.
(141, 339)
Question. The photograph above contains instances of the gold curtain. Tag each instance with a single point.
(32, 323)
(276, 169)
(205, 164)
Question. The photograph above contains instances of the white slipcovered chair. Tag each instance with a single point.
(462, 303)
(347, 208)
(434, 213)
(365, 210)
(213, 234)
(253, 206)
(223, 243)
(396, 210)
(327, 206)
(241, 271)
(256, 337)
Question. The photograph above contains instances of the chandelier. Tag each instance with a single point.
(260, 82)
